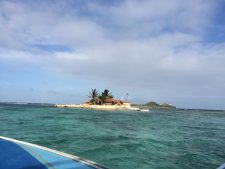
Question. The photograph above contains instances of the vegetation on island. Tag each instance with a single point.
(93, 94)
(106, 97)
(154, 105)
(99, 99)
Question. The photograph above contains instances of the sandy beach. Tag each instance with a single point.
(96, 107)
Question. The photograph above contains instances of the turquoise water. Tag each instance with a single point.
(122, 139)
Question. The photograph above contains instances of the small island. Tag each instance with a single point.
(154, 105)
(106, 101)
(100, 101)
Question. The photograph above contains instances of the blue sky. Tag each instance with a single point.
(164, 51)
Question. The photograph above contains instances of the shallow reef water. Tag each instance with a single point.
(171, 139)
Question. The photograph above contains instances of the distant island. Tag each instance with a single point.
(28, 104)
(154, 105)
(100, 101)
(106, 101)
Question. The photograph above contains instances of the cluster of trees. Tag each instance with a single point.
(97, 98)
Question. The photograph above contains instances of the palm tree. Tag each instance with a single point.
(107, 93)
(102, 97)
(93, 94)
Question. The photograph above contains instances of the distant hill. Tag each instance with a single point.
(154, 105)
(151, 104)
(170, 106)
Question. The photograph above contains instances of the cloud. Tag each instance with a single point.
(150, 47)
(150, 17)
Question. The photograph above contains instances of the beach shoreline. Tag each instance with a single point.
(97, 107)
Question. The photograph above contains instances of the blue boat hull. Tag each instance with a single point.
(16, 154)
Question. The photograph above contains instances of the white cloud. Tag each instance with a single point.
(149, 46)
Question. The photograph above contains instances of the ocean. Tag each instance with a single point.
(159, 139)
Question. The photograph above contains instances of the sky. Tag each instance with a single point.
(170, 51)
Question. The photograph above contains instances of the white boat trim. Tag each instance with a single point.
(222, 166)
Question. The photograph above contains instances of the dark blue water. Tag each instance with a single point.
(123, 139)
